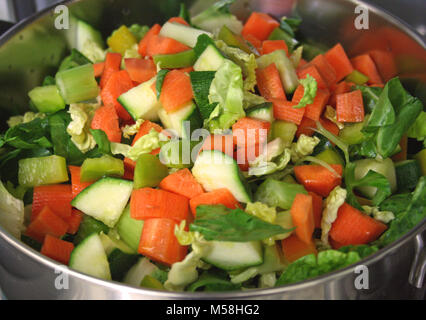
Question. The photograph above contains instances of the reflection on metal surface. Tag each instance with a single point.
(33, 50)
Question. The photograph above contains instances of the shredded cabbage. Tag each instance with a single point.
(11, 212)
(332, 204)
(303, 147)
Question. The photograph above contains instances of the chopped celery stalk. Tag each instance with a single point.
(121, 40)
(285, 68)
(231, 39)
(75, 59)
(129, 229)
(284, 130)
(280, 34)
(330, 156)
(357, 77)
(151, 283)
(149, 171)
(47, 99)
(95, 168)
(77, 84)
(34, 172)
(276, 193)
(177, 60)
(421, 159)
(186, 35)
(352, 134)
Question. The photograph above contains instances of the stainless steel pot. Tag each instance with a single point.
(34, 48)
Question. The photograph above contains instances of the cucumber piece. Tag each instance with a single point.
(284, 130)
(184, 34)
(214, 170)
(231, 39)
(129, 229)
(330, 156)
(212, 20)
(384, 167)
(112, 242)
(183, 121)
(285, 68)
(178, 153)
(141, 101)
(210, 60)
(276, 193)
(149, 171)
(89, 257)
(39, 171)
(421, 159)
(264, 111)
(231, 256)
(88, 226)
(408, 174)
(86, 39)
(177, 60)
(352, 134)
(47, 99)
(138, 272)
(104, 200)
(93, 169)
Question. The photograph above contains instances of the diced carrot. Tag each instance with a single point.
(145, 128)
(186, 70)
(46, 222)
(57, 197)
(341, 87)
(330, 126)
(302, 63)
(269, 46)
(385, 63)
(76, 185)
(176, 91)
(303, 217)
(111, 65)
(220, 142)
(159, 243)
(250, 131)
(319, 179)
(182, 182)
(269, 83)
(350, 107)
(146, 203)
(106, 119)
(402, 155)
(245, 154)
(74, 221)
(178, 20)
(118, 83)
(255, 42)
(294, 248)
(364, 64)
(334, 244)
(316, 208)
(378, 85)
(313, 72)
(163, 45)
(98, 68)
(340, 62)
(306, 127)
(143, 44)
(140, 70)
(218, 196)
(57, 249)
(314, 110)
(353, 227)
(259, 25)
(325, 69)
(283, 110)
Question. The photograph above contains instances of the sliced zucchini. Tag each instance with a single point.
(93, 169)
(284, 130)
(408, 174)
(129, 229)
(183, 121)
(214, 169)
(104, 200)
(138, 272)
(285, 68)
(210, 60)
(89, 257)
(184, 34)
(141, 101)
(264, 111)
(234, 255)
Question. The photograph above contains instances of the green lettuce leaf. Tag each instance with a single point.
(152, 140)
(222, 224)
(213, 281)
(418, 129)
(310, 86)
(138, 31)
(11, 212)
(226, 90)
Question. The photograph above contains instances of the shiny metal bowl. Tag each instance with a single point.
(33, 48)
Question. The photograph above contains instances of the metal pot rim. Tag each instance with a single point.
(255, 293)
